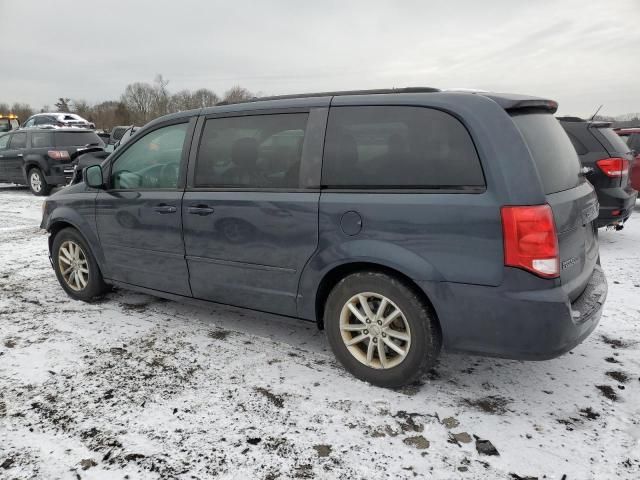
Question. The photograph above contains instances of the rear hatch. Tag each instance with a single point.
(73, 141)
(572, 198)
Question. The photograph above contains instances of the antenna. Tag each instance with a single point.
(594, 115)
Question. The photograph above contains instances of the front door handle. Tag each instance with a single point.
(200, 210)
(162, 208)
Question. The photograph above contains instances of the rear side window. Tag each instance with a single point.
(617, 144)
(4, 141)
(41, 139)
(552, 151)
(577, 144)
(19, 140)
(398, 147)
(5, 126)
(261, 151)
(77, 139)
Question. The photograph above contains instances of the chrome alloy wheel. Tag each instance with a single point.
(374, 330)
(35, 181)
(73, 265)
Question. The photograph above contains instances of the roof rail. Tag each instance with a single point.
(571, 119)
(339, 93)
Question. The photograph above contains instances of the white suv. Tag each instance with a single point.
(59, 119)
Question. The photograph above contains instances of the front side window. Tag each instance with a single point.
(19, 140)
(257, 151)
(44, 120)
(153, 161)
(398, 147)
(31, 122)
(4, 141)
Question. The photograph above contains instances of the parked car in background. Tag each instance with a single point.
(606, 159)
(95, 156)
(117, 132)
(52, 120)
(42, 158)
(398, 220)
(8, 122)
(632, 137)
(104, 136)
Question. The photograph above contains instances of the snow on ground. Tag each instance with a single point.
(137, 387)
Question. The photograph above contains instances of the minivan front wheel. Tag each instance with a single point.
(380, 329)
(75, 266)
(37, 182)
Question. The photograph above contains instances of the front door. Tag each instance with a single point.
(139, 215)
(4, 145)
(250, 211)
(13, 158)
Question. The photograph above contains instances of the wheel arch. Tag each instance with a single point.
(337, 273)
(56, 225)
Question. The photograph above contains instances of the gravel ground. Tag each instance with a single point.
(137, 387)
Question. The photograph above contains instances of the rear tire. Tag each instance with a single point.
(380, 329)
(76, 267)
(37, 182)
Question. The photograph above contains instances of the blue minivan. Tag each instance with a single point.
(400, 221)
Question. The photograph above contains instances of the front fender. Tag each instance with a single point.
(388, 255)
(80, 216)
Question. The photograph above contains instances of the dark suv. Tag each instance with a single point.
(400, 221)
(606, 159)
(42, 158)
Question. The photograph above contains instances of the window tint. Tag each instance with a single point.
(41, 139)
(77, 139)
(261, 151)
(118, 132)
(577, 144)
(44, 120)
(386, 147)
(4, 141)
(617, 144)
(552, 151)
(19, 140)
(153, 161)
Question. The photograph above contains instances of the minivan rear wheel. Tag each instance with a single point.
(37, 182)
(380, 329)
(76, 267)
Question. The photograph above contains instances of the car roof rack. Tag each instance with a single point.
(377, 91)
(568, 118)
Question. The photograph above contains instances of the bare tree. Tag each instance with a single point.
(140, 99)
(205, 98)
(237, 94)
(22, 110)
(63, 104)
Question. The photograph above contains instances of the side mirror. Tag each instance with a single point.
(92, 176)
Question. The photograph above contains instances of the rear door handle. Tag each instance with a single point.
(162, 208)
(200, 210)
(20, 155)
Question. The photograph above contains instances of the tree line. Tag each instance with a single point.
(140, 103)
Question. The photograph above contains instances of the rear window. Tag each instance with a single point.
(398, 147)
(118, 133)
(552, 151)
(77, 139)
(617, 143)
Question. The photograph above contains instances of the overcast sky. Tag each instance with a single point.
(580, 53)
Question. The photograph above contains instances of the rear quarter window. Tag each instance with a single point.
(77, 139)
(398, 147)
(552, 151)
(616, 144)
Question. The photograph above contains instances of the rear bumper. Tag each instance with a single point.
(615, 200)
(524, 324)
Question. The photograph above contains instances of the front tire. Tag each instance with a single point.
(37, 182)
(380, 329)
(76, 267)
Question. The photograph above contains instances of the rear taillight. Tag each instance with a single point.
(613, 167)
(58, 154)
(530, 239)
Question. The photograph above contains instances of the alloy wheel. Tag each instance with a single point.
(375, 330)
(73, 265)
(35, 181)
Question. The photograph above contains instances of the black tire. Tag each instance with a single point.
(37, 183)
(95, 286)
(425, 339)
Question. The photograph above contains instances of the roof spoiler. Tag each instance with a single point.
(522, 103)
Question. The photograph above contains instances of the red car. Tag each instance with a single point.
(632, 137)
